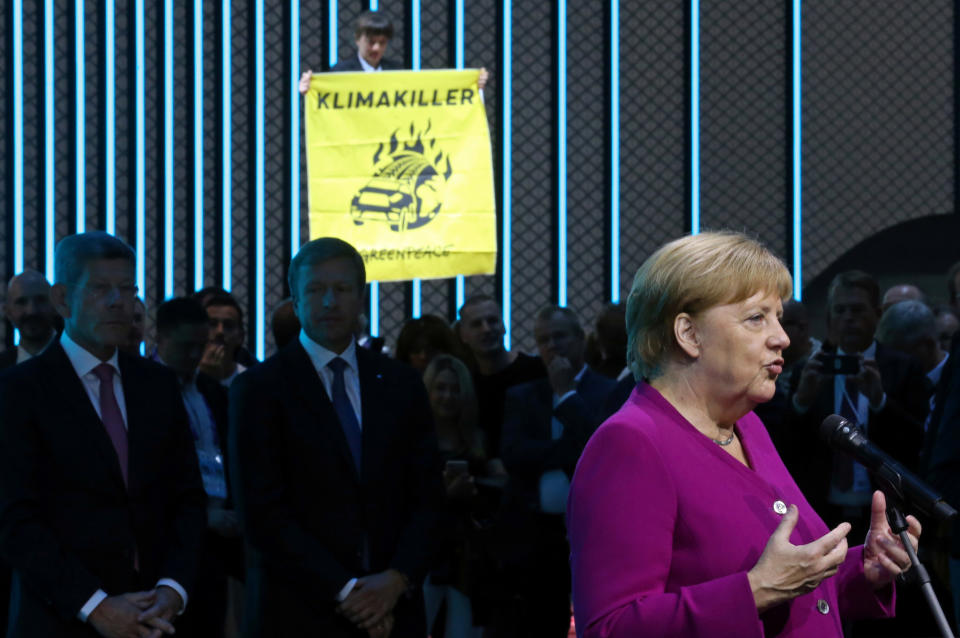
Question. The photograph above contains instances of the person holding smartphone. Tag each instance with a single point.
(466, 471)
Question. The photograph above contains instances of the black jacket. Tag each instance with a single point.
(68, 525)
(304, 508)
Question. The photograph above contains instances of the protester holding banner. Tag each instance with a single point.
(372, 33)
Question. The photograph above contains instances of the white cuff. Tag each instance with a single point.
(92, 603)
(566, 395)
(342, 596)
(175, 586)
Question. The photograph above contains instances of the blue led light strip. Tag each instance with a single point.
(226, 149)
(110, 135)
(458, 63)
(198, 144)
(79, 112)
(694, 116)
(507, 141)
(615, 151)
(332, 32)
(140, 149)
(294, 126)
(17, 139)
(260, 213)
(797, 147)
(49, 172)
(168, 175)
(415, 45)
(374, 285)
(562, 152)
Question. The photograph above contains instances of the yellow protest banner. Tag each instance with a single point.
(399, 165)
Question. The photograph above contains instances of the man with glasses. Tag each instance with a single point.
(102, 509)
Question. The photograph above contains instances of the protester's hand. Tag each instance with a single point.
(811, 376)
(868, 381)
(304, 85)
(160, 615)
(117, 616)
(884, 556)
(373, 598)
(482, 79)
(562, 376)
(786, 571)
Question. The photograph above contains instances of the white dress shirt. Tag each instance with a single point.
(861, 493)
(83, 363)
(367, 68)
(320, 357)
(555, 484)
(23, 355)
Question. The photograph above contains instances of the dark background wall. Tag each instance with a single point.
(878, 144)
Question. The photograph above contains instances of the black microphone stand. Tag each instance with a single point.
(917, 574)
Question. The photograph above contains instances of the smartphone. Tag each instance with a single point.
(456, 467)
(840, 363)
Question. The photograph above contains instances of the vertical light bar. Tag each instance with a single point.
(49, 176)
(615, 151)
(168, 149)
(79, 111)
(198, 144)
(415, 32)
(458, 63)
(374, 285)
(332, 31)
(226, 148)
(562, 152)
(294, 126)
(797, 147)
(140, 150)
(110, 134)
(694, 116)
(17, 139)
(507, 141)
(259, 195)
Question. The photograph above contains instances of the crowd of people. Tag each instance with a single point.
(657, 472)
(337, 490)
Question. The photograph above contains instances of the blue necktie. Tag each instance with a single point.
(842, 463)
(344, 409)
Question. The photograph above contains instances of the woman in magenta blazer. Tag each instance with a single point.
(682, 519)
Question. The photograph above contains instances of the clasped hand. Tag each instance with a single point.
(145, 614)
(370, 603)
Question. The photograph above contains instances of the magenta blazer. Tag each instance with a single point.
(664, 526)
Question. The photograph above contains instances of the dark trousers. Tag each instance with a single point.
(538, 586)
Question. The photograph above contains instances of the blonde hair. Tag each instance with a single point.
(692, 274)
(467, 426)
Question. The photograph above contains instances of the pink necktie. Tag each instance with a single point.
(111, 416)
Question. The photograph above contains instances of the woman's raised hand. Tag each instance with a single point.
(786, 571)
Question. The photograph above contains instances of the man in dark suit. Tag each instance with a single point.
(335, 470)
(546, 425)
(182, 334)
(887, 397)
(28, 308)
(101, 503)
(943, 457)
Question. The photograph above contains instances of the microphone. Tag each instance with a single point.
(842, 435)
